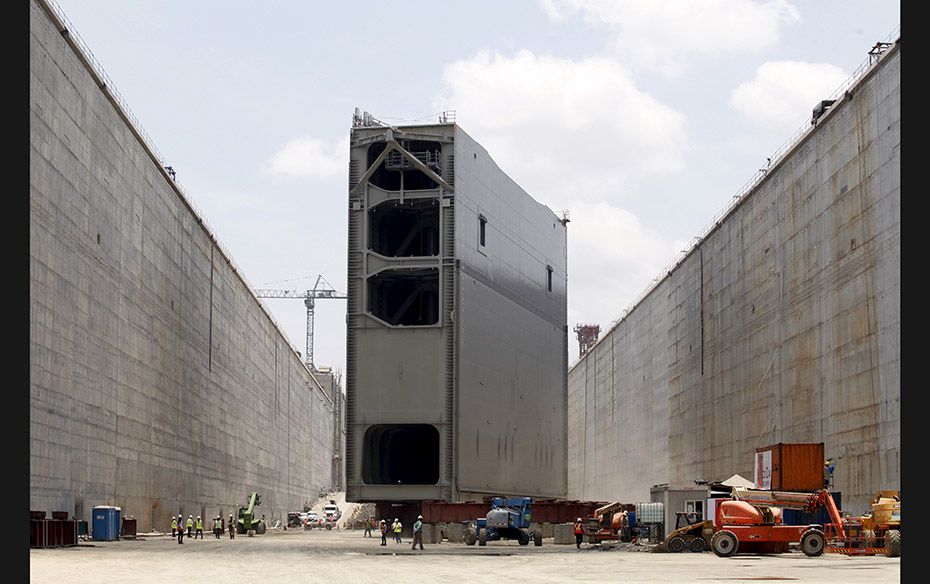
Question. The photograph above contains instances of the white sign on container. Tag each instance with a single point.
(763, 477)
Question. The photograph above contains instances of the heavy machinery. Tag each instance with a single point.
(878, 532)
(331, 514)
(294, 518)
(247, 523)
(750, 521)
(689, 535)
(507, 519)
(610, 522)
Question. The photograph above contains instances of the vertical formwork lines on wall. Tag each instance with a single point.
(797, 319)
(868, 247)
(164, 445)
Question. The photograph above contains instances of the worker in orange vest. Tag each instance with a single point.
(579, 533)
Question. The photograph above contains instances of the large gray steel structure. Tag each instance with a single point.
(456, 326)
(782, 325)
(159, 382)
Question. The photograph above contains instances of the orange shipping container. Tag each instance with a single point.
(790, 467)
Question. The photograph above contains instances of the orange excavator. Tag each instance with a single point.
(751, 521)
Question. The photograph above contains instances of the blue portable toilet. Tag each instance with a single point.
(106, 523)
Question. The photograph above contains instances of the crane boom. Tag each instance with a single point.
(807, 502)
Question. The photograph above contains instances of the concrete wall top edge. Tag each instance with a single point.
(76, 44)
(841, 101)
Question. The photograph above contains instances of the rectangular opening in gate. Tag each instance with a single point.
(405, 297)
(397, 172)
(404, 229)
(406, 454)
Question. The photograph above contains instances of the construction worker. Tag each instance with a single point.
(190, 525)
(217, 526)
(174, 525)
(624, 524)
(828, 468)
(384, 528)
(579, 533)
(199, 526)
(368, 527)
(180, 522)
(418, 533)
(397, 527)
(231, 526)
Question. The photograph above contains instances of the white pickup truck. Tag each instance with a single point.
(331, 513)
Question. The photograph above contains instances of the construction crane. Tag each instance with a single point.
(310, 297)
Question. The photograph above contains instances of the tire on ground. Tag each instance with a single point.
(893, 543)
(537, 538)
(523, 537)
(677, 544)
(697, 545)
(812, 542)
(482, 537)
(868, 538)
(471, 536)
(724, 543)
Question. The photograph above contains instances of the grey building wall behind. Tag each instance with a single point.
(782, 325)
(158, 382)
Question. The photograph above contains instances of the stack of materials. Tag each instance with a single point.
(58, 531)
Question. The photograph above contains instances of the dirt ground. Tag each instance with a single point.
(346, 556)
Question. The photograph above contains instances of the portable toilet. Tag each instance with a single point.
(106, 523)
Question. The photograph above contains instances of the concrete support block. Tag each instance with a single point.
(563, 533)
(544, 528)
(454, 532)
(432, 533)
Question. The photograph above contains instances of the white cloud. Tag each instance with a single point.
(665, 35)
(783, 93)
(310, 157)
(564, 129)
(612, 258)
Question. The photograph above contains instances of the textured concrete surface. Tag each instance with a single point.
(347, 556)
(782, 325)
(158, 381)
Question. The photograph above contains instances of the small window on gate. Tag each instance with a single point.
(482, 225)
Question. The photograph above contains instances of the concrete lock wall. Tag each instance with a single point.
(782, 325)
(158, 381)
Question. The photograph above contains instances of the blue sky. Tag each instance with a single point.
(641, 117)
